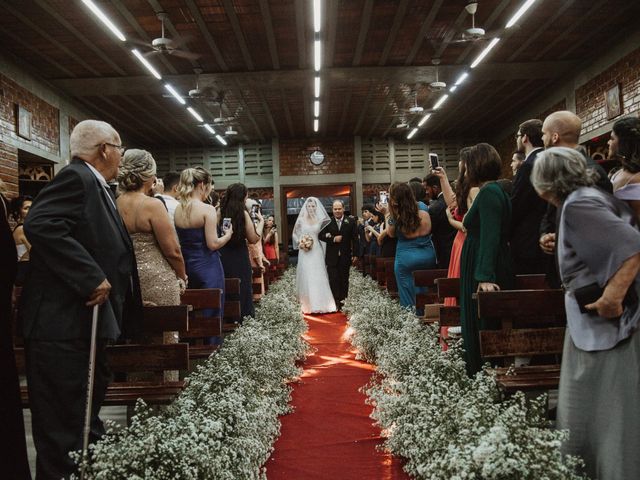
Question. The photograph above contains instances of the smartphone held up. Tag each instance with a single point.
(384, 198)
(433, 161)
(226, 224)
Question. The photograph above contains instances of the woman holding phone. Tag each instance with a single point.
(197, 228)
(270, 241)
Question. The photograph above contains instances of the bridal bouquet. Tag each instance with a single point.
(306, 243)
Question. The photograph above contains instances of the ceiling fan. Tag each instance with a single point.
(165, 45)
(198, 93)
(437, 85)
(475, 34)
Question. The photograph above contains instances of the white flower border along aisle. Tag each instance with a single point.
(443, 423)
(223, 425)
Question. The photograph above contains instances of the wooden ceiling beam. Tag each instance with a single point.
(237, 30)
(267, 112)
(331, 27)
(336, 77)
(300, 36)
(183, 127)
(426, 25)
(132, 119)
(393, 33)
(206, 34)
(365, 23)
(271, 38)
(365, 109)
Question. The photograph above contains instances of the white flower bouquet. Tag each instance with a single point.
(306, 243)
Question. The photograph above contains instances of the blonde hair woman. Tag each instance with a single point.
(197, 227)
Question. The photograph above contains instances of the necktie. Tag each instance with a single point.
(339, 223)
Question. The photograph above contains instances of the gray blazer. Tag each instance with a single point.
(78, 240)
(596, 234)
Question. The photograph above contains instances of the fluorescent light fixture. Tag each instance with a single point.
(316, 108)
(221, 140)
(175, 94)
(424, 119)
(104, 19)
(316, 87)
(462, 78)
(144, 62)
(485, 52)
(442, 99)
(317, 50)
(453, 89)
(412, 133)
(521, 11)
(195, 114)
(317, 19)
(316, 124)
(209, 129)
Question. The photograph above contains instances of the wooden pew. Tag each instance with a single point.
(232, 315)
(427, 278)
(532, 325)
(390, 277)
(134, 358)
(202, 326)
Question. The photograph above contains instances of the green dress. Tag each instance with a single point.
(485, 258)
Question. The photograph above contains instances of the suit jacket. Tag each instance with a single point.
(442, 232)
(78, 240)
(340, 253)
(527, 213)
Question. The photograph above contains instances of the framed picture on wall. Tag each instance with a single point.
(23, 126)
(613, 102)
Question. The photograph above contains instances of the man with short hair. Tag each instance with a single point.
(442, 232)
(527, 207)
(367, 212)
(516, 162)
(171, 180)
(341, 238)
(81, 256)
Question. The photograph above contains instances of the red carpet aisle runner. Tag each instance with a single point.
(330, 434)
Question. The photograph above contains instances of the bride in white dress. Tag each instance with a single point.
(314, 292)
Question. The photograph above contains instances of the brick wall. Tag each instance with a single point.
(338, 157)
(590, 97)
(45, 127)
(263, 193)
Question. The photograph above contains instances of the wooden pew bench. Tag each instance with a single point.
(532, 324)
(136, 358)
(202, 326)
(390, 277)
(426, 279)
(232, 315)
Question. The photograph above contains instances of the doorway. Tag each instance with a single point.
(293, 197)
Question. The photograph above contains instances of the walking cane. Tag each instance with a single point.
(90, 382)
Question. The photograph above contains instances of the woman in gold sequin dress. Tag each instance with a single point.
(158, 255)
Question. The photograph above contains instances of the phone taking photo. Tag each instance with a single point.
(384, 198)
(433, 161)
(226, 224)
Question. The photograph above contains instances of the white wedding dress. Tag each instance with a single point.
(314, 292)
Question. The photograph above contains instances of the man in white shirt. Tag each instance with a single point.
(170, 194)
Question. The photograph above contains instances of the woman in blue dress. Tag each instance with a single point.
(415, 250)
(196, 224)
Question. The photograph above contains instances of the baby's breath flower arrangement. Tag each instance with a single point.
(223, 425)
(445, 424)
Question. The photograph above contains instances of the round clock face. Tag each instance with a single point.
(317, 157)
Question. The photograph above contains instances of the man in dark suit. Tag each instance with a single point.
(442, 232)
(81, 256)
(527, 207)
(341, 237)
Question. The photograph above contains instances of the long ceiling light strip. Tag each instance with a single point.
(317, 61)
(104, 19)
(146, 64)
(512, 21)
(195, 114)
(175, 94)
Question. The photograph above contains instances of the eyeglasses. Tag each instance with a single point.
(121, 148)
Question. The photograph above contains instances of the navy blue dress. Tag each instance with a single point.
(203, 265)
(235, 259)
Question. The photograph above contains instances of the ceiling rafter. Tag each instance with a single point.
(159, 125)
(271, 38)
(204, 31)
(331, 28)
(300, 35)
(267, 112)
(132, 118)
(364, 110)
(237, 30)
(393, 33)
(183, 127)
(426, 25)
(365, 23)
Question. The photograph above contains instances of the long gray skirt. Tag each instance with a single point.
(599, 403)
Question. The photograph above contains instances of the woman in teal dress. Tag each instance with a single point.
(485, 264)
(415, 249)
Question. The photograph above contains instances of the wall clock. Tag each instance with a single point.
(316, 157)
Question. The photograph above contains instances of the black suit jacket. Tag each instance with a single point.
(528, 210)
(442, 232)
(78, 240)
(340, 253)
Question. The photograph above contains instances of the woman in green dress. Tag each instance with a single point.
(485, 264)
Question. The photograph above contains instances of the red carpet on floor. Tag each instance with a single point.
(330, 434)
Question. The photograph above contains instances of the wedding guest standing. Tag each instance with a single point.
(81, 256)
(485, 264)
(625, 146)
(13, 454)
(270, 241)
(20, 208)
(598, 247)
(235, 256)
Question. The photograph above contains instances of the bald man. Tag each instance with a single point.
(81, 256)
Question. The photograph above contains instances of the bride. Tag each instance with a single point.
(314, 292)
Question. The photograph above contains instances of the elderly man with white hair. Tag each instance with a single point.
(81, 256)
